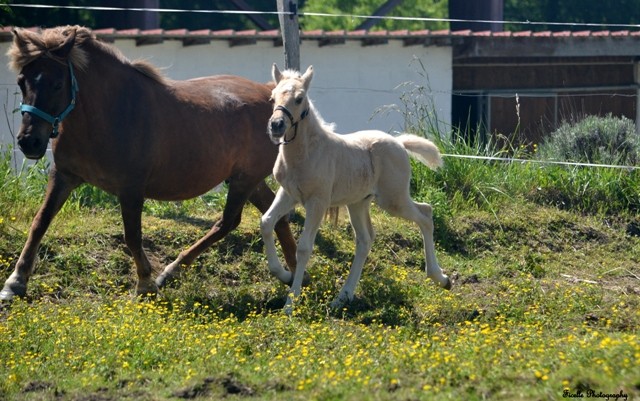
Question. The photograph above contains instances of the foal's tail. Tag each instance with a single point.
(422, 149)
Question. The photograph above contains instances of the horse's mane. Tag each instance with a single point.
(293, 74)
(43, 42)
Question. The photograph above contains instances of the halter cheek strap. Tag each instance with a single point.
(294, 124)
(54, 121)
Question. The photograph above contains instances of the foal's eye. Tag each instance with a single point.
(299, 100)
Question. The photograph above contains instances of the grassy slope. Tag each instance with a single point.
(544, 300)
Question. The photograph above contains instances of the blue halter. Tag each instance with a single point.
(54, 121)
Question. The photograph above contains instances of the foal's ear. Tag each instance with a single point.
(275, 73)
(64, 49)
(306, 77)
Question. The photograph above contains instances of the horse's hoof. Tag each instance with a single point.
(6, 296)
(10, 291)
(147, 296)
(147, 290)
(164, 279)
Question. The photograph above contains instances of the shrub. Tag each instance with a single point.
(604, 140)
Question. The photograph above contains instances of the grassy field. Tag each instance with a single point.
(545, 304)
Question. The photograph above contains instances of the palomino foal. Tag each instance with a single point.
(321, 169)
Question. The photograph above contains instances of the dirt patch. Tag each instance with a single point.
(230, 386)
(37, 386)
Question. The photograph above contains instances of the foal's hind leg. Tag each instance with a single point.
(433, 268)
(422, 214)
(364, 233)
(237, 196)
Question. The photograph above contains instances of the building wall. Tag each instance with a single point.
(351, 84)
(533, 96)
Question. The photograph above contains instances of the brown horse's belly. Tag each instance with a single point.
(169, 187)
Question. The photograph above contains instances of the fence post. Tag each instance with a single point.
(290, 33)
(636, 73)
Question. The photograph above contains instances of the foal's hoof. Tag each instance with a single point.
(306, 280)
(448, 284)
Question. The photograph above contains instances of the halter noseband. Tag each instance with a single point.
(294, 124)
(54, 121)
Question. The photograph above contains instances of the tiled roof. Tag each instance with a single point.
(424, 37)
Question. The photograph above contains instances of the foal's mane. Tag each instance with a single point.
(322, 123)
(43, 42)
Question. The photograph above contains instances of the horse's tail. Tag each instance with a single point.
(422, 149)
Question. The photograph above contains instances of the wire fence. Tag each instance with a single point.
(509, 94)
(328, 15)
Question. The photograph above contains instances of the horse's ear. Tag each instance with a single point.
(19, 37)
(64, 49)
(275, 73)
(306, 77)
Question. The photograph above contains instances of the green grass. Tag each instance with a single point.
(546, 298)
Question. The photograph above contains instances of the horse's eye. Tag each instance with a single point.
(299, 100)
(58, 85)
(271, 99)
(21, 80)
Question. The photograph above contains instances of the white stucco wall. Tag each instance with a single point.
(351, 81)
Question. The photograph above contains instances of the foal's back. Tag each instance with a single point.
(364, 160)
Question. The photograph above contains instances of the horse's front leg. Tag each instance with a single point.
(59, 188)
(315, 211)
(282, 204)
(131, 208)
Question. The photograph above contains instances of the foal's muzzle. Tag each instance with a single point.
(277, 127)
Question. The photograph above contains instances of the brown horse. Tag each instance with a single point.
(123, 127)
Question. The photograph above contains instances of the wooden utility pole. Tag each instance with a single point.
(290, 33)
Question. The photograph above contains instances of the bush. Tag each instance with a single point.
(602, 140)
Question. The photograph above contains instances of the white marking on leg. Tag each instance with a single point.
(281, 205)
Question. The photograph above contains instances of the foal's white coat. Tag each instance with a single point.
(320, 169)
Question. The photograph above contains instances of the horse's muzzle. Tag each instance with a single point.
(33, 147)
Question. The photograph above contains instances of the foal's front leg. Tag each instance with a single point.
(315, 211)
(282, 204)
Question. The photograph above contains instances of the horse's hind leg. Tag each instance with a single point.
(422, 214)
(59, 188)
(364, 233)
(237, 196)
